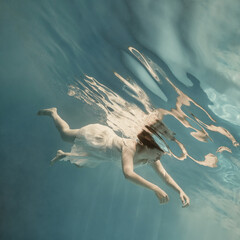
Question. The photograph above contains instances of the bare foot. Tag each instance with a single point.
(47, 111)
(60, 155)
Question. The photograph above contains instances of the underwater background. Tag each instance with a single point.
(48, 49)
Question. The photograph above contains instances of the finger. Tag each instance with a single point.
(185, 205)
(182, 199)
(162, 200)
(187, 202)
(166, 199)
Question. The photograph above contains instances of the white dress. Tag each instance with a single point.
(94, 144)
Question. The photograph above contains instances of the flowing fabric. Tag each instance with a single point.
(93, 145)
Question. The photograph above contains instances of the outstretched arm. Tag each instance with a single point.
(158, 167)
(127, 167)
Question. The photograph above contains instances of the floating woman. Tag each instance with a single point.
(95, 143)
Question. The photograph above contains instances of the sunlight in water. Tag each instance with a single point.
(129, 119)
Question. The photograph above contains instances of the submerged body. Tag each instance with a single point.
(95, 143)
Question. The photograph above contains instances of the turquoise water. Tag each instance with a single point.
(47, 47)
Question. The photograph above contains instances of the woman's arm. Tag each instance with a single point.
(127, 167)
(158, 167)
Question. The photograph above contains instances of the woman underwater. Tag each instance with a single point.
(95, 143)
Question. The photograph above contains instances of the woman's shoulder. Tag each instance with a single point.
(129, 145)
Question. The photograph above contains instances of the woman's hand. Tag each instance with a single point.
(162, 196)
(185, 199)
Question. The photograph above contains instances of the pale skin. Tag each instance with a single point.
(133, 153)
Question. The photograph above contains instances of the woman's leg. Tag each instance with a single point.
(66, 133)
(60, 154)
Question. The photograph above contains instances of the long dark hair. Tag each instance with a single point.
(147, 139)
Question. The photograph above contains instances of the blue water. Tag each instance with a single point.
(45, 46)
